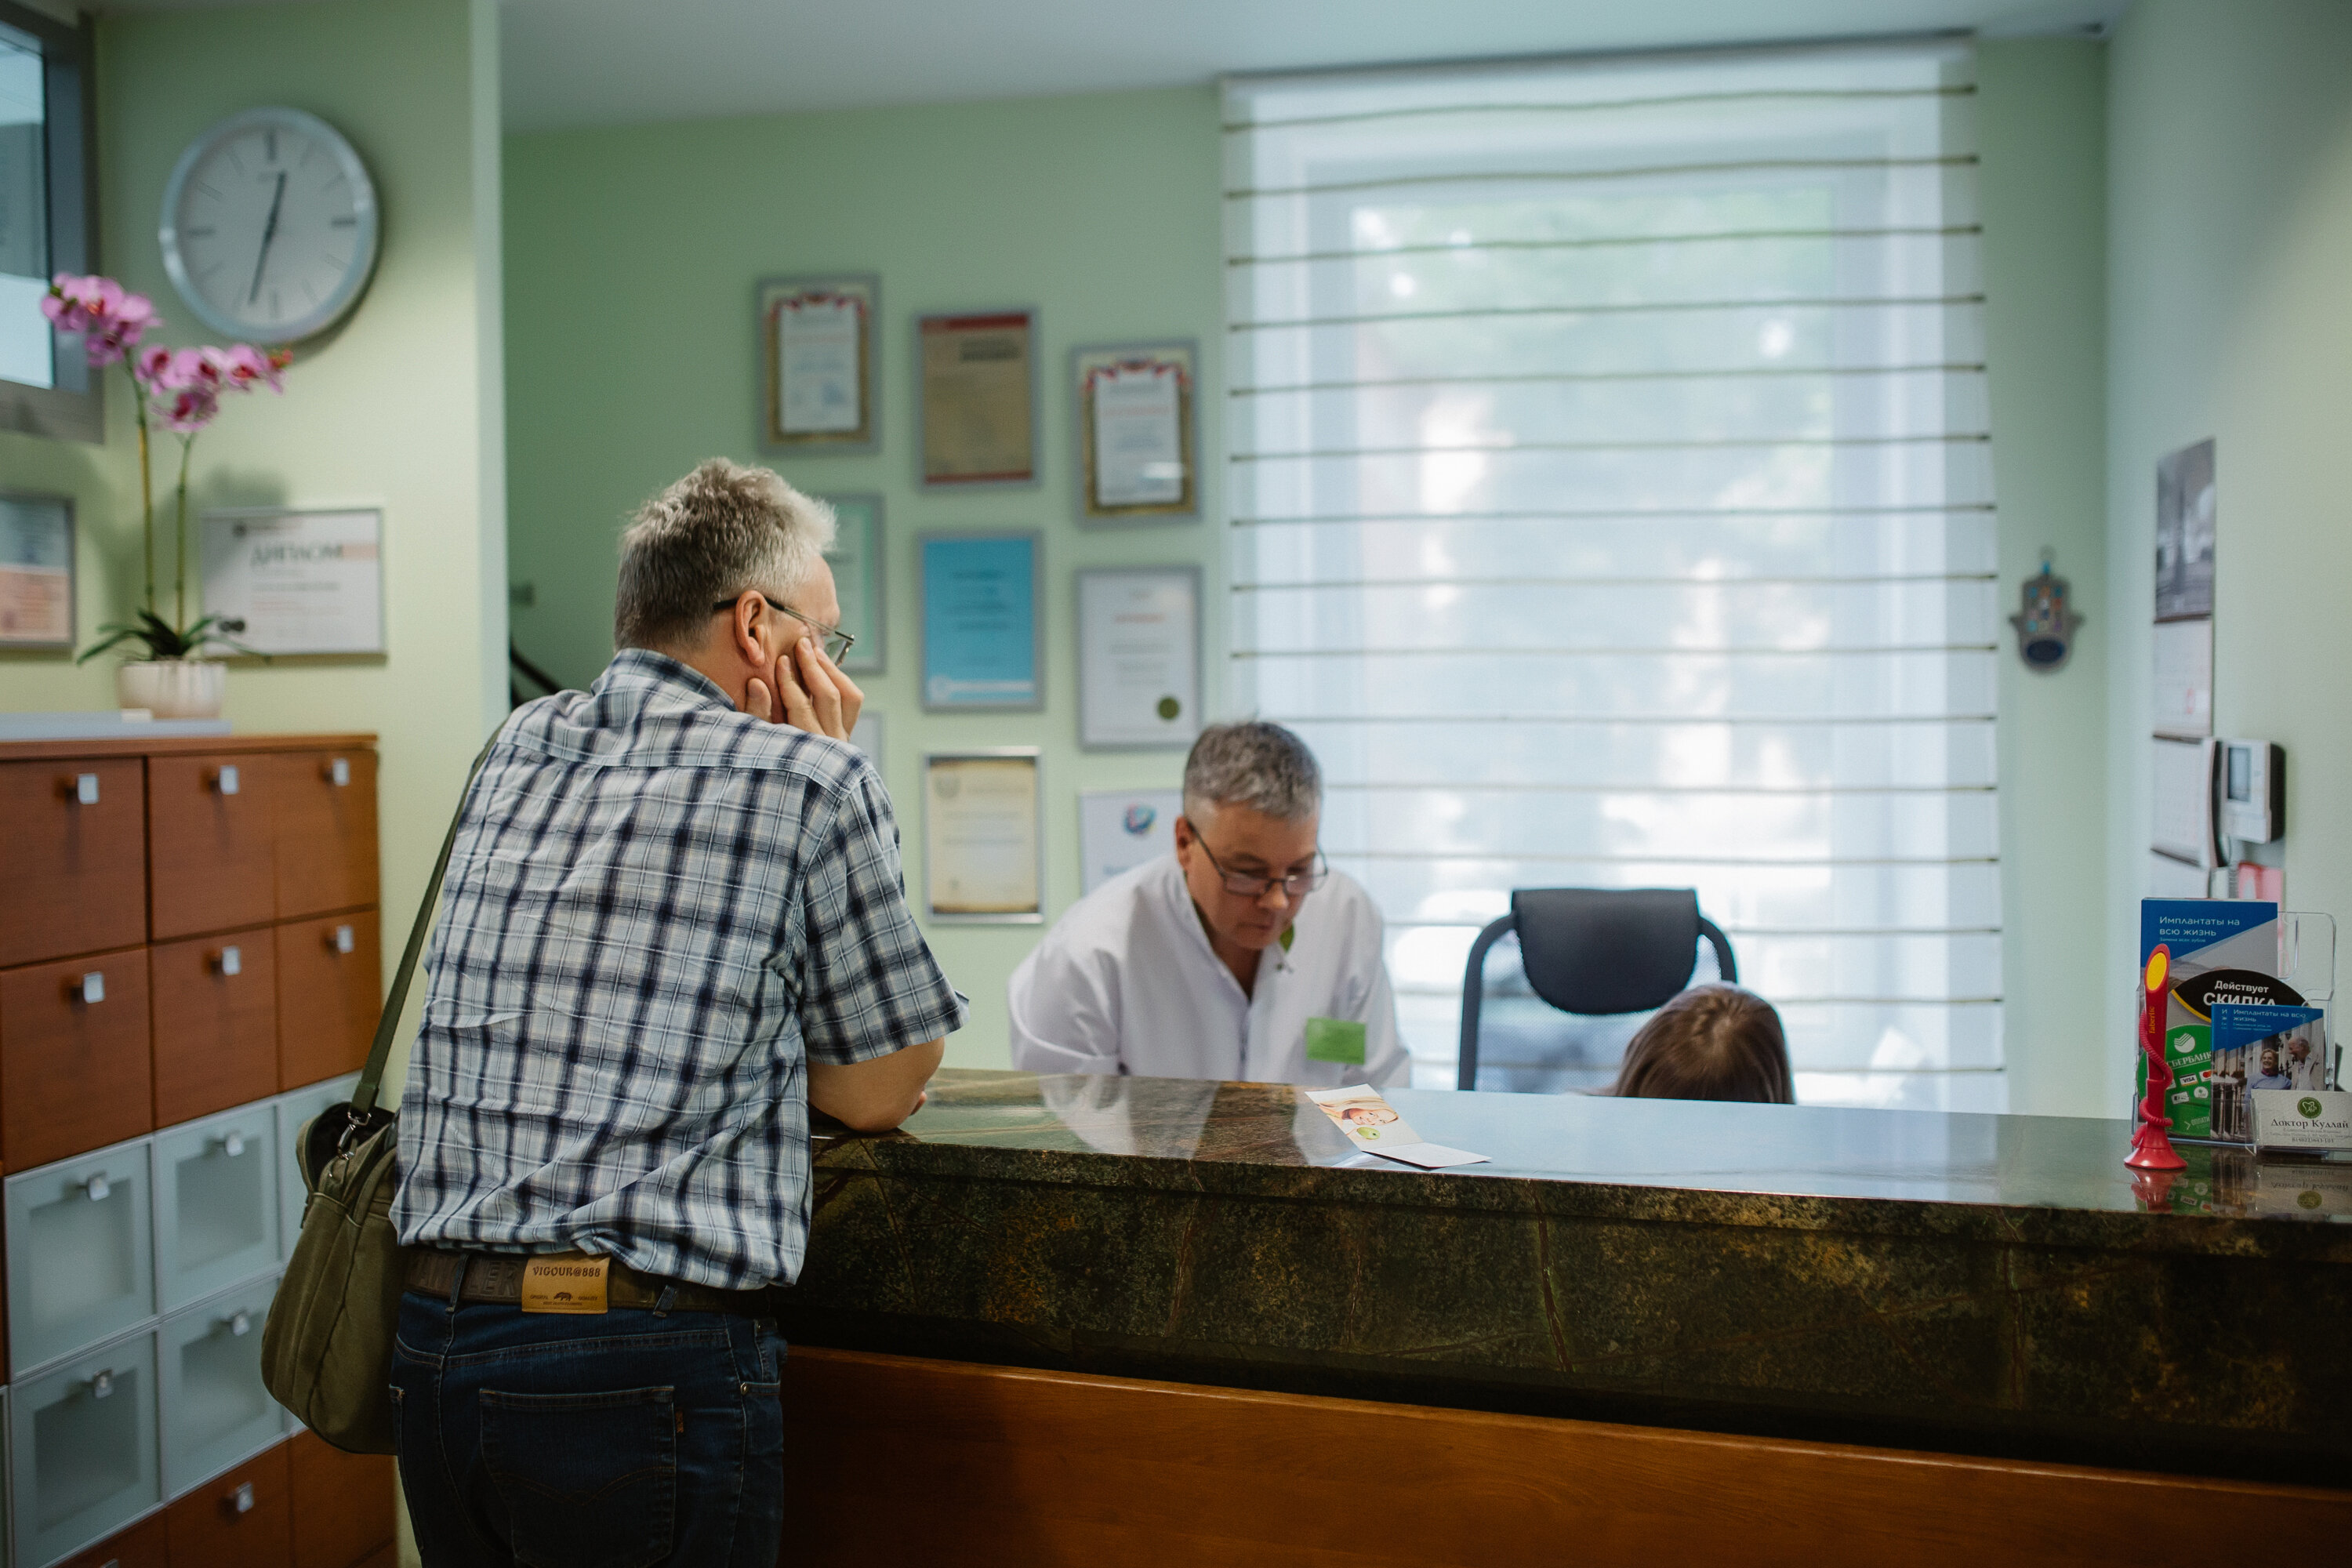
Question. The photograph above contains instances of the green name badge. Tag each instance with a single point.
(1335, 1040)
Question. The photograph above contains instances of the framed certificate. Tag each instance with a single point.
(36, 573)
(303, 582)
(981, 647)
(976, 380)
(1120, 829)
(983, 838)
(817, 358)
(1138, 657)
(857, 560)
(1138, 443)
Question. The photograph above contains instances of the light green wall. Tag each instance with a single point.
(2041, 132)
(632, 253)
(393, 411)
(2229, 310)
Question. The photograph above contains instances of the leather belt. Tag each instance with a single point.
(495, 1279)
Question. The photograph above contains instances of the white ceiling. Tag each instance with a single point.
(588, 62)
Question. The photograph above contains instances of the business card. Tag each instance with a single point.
(2302, 1118)
(1372, 1124)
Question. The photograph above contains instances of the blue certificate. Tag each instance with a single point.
(980, 621)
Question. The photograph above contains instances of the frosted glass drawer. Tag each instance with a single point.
(293, 1110)
(82, 1456)
(81, 1261)
(216, 1204)
(215, 1412)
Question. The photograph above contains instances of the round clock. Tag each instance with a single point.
(269, 225)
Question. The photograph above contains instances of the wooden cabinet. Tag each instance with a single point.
(241, 1520)
(330, 994)
(216, 1022)
(143, 1545)
(210, 843)
(326, 850)
(74, 1057)
(73, 840)
(342, 1504)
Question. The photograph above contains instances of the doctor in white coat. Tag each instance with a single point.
(1240, 956)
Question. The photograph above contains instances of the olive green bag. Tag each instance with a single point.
(326, 1352)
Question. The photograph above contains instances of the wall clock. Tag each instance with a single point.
(269, 225)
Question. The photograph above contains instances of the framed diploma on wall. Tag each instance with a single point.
(856, 560)
(976, 385)
(981, 642)
(818, 359)
(1138, 657)
(303, 582)
(983, 836)
(36, 573)
(1139, 455)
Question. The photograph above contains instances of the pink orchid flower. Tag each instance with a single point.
(111, 318)
(188, 409)
(242, 367)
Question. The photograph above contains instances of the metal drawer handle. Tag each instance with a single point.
(341, 941)
(85, 789)
(225, 781)
(241, 1499)
(233, 1145)
(339, 773)
(239, 1323)
(90, 987)
(230, 962)
(101, 1386)
(98, 1187)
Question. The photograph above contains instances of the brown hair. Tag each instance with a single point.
(1712, 1042)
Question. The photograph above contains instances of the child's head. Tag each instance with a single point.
(1712, 1042)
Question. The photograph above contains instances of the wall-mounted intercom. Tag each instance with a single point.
(2251, 787)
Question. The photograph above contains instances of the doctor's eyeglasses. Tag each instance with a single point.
(1294, 887)
(833, 640)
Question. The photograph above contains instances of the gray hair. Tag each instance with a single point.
(721, 529)
(1259, 765)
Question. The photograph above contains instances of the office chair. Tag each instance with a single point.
(1594, 949)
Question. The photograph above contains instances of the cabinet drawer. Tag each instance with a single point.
(215, 1412)
(81, 1263)
(325, 807)
(82, 1450)
(73, 836)
(343, 1503)
(75, 1071)
(293, 1110)
(216, 1204)
(143, 1545)
(235, 1520)
(216, 1022)
(209, 844)
(329, 994)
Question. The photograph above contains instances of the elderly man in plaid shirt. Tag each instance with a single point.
(675, 920)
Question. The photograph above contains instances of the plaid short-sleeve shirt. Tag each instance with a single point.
(658, 912)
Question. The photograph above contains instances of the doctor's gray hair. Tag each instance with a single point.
(1262, 766)
(721, 529)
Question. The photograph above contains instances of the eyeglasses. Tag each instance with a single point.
(833, 640)
(1294, 887)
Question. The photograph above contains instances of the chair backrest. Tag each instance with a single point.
(1595, 950)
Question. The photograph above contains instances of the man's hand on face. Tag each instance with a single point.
(815, 695)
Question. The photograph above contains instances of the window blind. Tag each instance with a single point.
(1612, 505)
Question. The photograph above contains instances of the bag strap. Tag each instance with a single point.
(371, 1076)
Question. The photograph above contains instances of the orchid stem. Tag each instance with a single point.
(180, 544)
(146, 488)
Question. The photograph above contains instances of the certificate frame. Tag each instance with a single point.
(216, 531)
(952, 914)
(938, 410)
(770, 296)
(1182, 357)
(47, 525)
(860, 539)
(1101, 731)
(940, 554)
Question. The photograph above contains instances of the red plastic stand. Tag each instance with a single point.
(2152, 1147)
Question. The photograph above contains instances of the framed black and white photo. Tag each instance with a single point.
(1139, 443)
(36, 573)
(1138, 657)
(818, 357)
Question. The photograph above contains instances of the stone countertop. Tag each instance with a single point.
(1973, 1284)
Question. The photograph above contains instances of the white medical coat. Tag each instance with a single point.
(1125, 983)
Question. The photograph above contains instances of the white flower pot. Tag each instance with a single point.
(173, 688)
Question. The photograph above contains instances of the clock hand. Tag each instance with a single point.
(269, 233)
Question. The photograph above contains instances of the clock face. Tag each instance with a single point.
(269, 225)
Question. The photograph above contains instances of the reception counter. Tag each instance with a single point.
(1985, 1286)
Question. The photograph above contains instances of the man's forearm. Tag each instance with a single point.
(876, 1095)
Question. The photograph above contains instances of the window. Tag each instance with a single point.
(1613, 506)
(45, 160)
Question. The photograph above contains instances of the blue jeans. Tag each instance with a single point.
(623, 1439)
